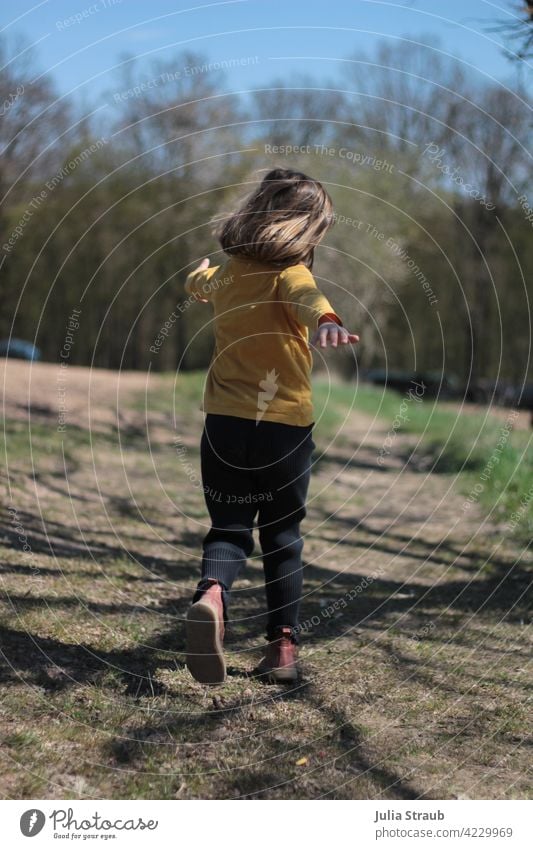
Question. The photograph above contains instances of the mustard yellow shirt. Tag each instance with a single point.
(261, 365)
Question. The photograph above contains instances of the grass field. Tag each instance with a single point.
(416, 655)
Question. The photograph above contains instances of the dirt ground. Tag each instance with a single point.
(415, 654)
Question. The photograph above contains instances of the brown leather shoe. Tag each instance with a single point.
(280, 663)
(205, 636)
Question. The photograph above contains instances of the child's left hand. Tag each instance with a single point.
(333, 334)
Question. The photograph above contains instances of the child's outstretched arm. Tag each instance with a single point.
(311, 308)
(197, 282)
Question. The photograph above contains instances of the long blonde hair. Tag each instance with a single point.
(281, 222)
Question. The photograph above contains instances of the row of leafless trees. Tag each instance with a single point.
(428, 167)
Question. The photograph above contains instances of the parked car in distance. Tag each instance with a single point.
(19, 349)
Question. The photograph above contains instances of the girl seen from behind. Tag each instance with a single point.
(257, 439)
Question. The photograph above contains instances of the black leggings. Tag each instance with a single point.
(251, 468)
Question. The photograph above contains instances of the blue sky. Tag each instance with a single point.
(286, 36)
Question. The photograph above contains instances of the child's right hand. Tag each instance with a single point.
(333, 334)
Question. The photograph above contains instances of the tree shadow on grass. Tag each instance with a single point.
(355, 760)
(55, 665)
(382, 603)
(356, 600)
(262, 779)
(60, 540)
(390, 541)
(49, 536)
(379, 606)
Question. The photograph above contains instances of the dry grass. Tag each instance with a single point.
(415, 688)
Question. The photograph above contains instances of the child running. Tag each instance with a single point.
(257, 439)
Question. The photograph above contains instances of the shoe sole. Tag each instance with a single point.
(205, 656)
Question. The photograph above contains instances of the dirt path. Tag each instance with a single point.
(415, 648)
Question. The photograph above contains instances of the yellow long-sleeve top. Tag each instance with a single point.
(261, 365)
